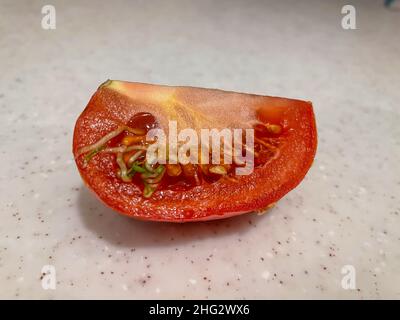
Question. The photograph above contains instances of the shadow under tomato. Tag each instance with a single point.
(120, 230)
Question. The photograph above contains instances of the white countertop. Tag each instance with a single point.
(346, 211)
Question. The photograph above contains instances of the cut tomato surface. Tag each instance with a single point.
(109, 148)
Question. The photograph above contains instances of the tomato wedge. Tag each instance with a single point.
(109, 149)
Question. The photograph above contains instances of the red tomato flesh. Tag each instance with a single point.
(288, 125)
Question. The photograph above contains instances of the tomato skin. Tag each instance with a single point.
(115, 103)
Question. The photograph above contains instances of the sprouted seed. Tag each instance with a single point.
(218, 170)
(92, 153)
(148, 190)
(122, 166)
(136, 168)
(102, 141)
(135, 157)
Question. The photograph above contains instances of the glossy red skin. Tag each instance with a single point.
(110, 107)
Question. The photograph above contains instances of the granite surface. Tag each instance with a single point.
(346, 211)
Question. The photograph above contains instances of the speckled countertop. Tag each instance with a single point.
(346, 211)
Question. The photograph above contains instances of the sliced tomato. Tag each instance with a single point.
(115, 103)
